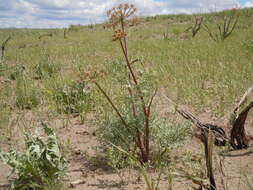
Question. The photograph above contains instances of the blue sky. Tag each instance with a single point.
(61, 13)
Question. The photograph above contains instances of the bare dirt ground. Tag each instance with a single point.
(91, 171)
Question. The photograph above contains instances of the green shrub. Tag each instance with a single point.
(39, 165)
(166, 134)
(26, 94)
(169, 133)
(72, 98)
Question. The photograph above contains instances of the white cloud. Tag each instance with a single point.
(61, 13)
(248, 4)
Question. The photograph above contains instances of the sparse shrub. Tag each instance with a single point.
(197, 25)
(39, 165)
(26, 94)
(73, 98)
(226, 23)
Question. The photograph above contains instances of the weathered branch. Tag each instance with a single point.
(244, 99)
(208, 144)
(208, 133)
(197, 26)
(219, 133)
(3, 46)
(238, 138)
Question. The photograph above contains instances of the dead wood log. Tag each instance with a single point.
(209, 134)
(3, 46)
(219, 133)
(207, 139)
(238, 137)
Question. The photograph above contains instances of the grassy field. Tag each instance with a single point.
(46, 79)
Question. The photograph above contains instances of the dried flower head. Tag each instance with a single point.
(234, 11)
(121, 14)
(118, 34)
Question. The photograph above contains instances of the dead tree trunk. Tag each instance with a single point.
(3, 46)
(238, 137)
(65, 33)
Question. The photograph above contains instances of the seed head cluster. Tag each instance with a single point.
(118, 34)
(121, 14)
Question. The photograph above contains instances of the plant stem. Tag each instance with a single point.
(112, 104)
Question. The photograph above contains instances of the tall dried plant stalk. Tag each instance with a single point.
(123, 16)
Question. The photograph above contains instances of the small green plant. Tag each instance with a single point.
(18, 71)
(73, 98)
(40, 165)
(249, 44)
(45, 68)
(26, 94)
(170, 134)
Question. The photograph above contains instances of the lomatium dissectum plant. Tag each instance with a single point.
(121, 17)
